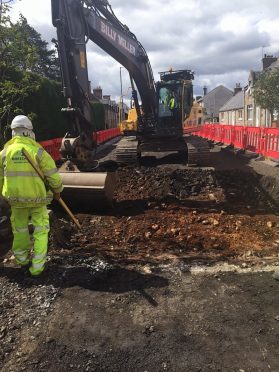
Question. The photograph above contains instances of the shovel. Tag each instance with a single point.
(41, 175)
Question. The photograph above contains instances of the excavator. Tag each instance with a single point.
(128, 127)
(160, 110)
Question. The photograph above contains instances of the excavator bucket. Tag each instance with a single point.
(88, 190)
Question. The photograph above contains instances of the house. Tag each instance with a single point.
(195, 117)
(255, 115)
(212, 102)
(111, 108)
(232, 112)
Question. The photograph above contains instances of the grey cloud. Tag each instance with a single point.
(187, 34)
(47, 32)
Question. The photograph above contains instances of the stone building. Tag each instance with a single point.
(195, 117)
(255, 115)
(232, 112)
(111, 108)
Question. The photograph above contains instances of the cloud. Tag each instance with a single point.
(221, 41)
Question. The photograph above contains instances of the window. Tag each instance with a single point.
(222, 116)
(240, 114)
(249, 112)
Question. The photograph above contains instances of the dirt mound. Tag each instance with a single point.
(185, 214)
(231, 186)
(160, 183)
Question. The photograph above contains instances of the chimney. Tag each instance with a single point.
(237, 88)
(98, 92)
(204, 90)
(267, 61)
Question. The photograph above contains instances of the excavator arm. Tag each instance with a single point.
(77, 22)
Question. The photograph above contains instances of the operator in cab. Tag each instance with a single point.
(172, 104)
(27, 195)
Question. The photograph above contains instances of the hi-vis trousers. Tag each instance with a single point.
(22, 244)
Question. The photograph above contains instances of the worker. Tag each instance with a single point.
(172, 102)
(27, 195)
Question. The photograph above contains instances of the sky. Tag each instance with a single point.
(221, 41)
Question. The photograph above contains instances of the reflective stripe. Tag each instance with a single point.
(29, 200)
(21, 259)
(50, 172)
(19, 252)
(40, 153)
(21, 229)
(20, 174)
(41, 228)
(38, 266)
(39, 256)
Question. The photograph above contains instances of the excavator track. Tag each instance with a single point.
(198, 150)
(127, 150)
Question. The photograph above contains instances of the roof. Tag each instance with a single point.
(219, 87)
(234, 103)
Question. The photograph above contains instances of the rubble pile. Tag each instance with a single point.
(229, 186)
(160, 183)
(195, 214)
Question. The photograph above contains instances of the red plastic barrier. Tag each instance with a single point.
(218, 133)
(271, 142)
(263, 141)
(53, 146)
(227, 134)
(239, 137)
(253, 139)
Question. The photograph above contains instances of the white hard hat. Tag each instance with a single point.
(21, 121)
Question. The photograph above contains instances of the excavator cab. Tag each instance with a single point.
(175, 95)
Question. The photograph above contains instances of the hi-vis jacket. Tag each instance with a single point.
(19, 183)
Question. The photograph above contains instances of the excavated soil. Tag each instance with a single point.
(175, 276)
(161, 214)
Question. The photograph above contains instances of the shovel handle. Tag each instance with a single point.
(64, 205)
(41, 175)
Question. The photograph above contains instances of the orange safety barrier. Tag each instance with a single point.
(271, 142)
(264, 141)
(53, 146)
(253, 139)
(227, 134)
(239, 137)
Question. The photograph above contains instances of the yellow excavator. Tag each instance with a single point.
(129, 127)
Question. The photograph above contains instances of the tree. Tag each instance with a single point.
(31, 52)
(266, 91)
(22, 47)
(25, 61)
(4, 3)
